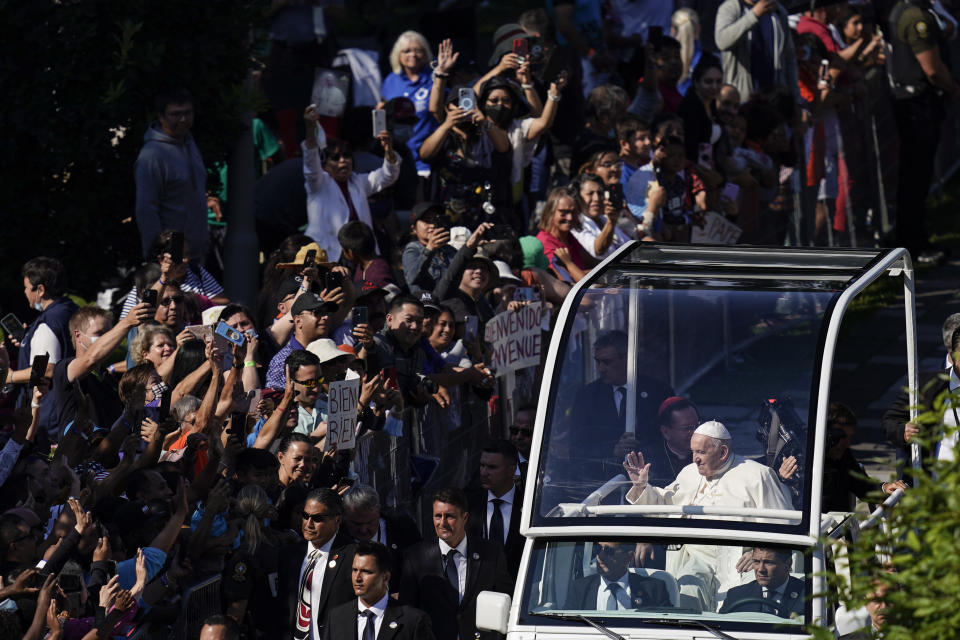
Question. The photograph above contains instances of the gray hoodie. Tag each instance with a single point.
(171, 190)
(733, 33)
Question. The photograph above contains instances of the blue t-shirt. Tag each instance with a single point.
(399, 85)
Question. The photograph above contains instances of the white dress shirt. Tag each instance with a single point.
(623, 594)
(316, 586)
(506, 509)
(460, 559)
(951, 418)
(377, 609)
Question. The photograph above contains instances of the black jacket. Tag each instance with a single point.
(399, 623)
(337, 583)
(402, 533)
(793, 598)
(477, 526)
(425, 585)
(650, 591)
(898, 415)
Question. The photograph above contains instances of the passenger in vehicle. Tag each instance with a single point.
(844, 478)
(773, 591)
(669, 452)
(599, 410)
(613, 587)
(716, 477)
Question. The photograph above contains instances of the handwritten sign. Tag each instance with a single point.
(515, 338)
(342, 414)
(717, 230)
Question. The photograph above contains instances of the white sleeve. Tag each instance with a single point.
(43, 341)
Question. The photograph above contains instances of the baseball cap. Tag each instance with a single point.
(311, 301)
(367, 288)
(427, 300)
(503, 39)
(422, 209)
(320, 257)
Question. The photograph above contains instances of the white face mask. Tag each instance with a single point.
(92, 339)
(38, 303)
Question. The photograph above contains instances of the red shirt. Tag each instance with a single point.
(552, 243)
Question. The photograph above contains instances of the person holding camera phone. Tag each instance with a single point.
(602, 207)
(335, 194)
(428, 254)
(469, 277)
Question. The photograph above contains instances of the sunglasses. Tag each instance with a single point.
(340, 156)
(309, 383)
(608, 551)
(519, 430)
(166, 301)
(316, 518)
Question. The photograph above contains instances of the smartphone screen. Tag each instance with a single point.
(176, 247)
(705, 155)
(521, 48)
(358, 316)
(238, 421)
(470, 332)
(825, 71)
(150, 297)
(466, 99)
(310, 259)
(379, 121)
(14, 328)
(38, 369)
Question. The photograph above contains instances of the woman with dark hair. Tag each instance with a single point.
(697, 107)
(335, 194)
(598, 232)
(239, 317)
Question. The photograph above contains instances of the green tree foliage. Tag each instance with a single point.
(80, 79)
(913, 560)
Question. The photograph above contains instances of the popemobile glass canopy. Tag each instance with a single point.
(747, 335)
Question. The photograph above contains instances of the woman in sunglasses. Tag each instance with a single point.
(335, 194)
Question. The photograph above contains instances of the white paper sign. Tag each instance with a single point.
(515, 338)
(717, 230)
(342, 414)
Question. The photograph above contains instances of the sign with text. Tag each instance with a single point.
(515, 338)
(342, 414)
(717, 230)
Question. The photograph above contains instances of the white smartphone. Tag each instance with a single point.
(379, 121)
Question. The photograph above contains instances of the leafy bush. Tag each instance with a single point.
(81, 76)
(915, 559)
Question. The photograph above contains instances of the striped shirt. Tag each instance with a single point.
(197, 281)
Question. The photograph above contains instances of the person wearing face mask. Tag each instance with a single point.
(335, 194)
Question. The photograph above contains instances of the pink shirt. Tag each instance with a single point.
(551, 244)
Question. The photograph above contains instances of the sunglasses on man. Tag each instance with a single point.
(521, 431)
(316, 518)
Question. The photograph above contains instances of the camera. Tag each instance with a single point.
(428, 385)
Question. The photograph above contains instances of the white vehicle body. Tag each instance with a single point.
(743, 304)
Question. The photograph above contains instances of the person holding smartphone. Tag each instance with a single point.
(602, 206)
(335, 194)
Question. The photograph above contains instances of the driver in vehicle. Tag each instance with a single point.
(716, 477)
(613, 587)
(774, 590)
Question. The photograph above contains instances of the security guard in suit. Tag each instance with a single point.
(922, 88)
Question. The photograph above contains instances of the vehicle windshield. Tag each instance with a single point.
(595, 578)
(646, 360)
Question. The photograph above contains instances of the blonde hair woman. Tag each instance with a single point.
(685, 28)
(411, 79)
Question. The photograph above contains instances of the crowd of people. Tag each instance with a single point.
(179, 435)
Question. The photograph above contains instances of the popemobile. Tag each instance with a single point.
(675, 478)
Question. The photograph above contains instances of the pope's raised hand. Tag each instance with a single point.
(637, 471)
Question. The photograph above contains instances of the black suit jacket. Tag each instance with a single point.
(337, 583)
(898, 415)
(792, 602)
(596, 425)
(477, 526)
(583, 592)
(399, 623)
(425, 585)
(401, 533)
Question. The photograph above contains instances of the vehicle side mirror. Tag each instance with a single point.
(493, 611)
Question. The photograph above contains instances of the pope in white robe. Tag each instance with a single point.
(716, 477)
